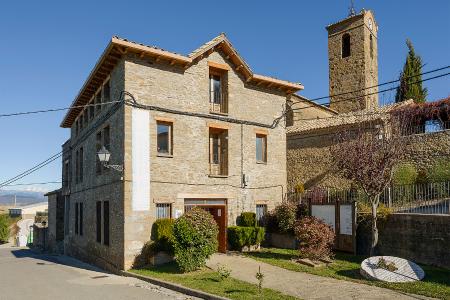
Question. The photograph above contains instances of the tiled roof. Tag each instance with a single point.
(303, 126)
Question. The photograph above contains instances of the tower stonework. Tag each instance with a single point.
(353, 62)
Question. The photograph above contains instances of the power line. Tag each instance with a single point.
(378, 85)
(33, 183)
(54, 109)
(377, 92)
(31, 170)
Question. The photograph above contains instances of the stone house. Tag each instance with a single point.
(188, 130)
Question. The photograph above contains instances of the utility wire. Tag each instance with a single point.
(54, 109)
(33, 183)
(373, 93)
(378, 85)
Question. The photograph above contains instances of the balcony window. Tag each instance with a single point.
(218, 151)
(218, 99)
(164, 138)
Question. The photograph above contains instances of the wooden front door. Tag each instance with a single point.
(219, 214)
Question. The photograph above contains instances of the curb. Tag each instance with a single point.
(174, 287)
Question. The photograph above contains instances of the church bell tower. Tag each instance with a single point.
(353, 62)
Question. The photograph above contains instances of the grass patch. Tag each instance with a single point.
(346, 267)
(209, 281)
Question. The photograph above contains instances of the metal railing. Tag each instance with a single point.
(427, 198)
(431, 126)
(218, 102)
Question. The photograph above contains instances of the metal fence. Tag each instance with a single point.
(429, 198)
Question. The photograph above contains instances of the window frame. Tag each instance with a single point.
(106, 223)
(263, 137)
(169, 138)
(346, 45)
(259, 220)
(164, 206)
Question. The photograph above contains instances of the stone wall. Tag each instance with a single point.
(185, 174)
(105, 187)
(357, 71)
(420, 238)
(309, 160)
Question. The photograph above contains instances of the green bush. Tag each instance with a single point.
(4, 228)
(440, 171)
(239, 236)
(143, 258)
(162, 235)
(286, 214)
(195, 239)
(247, 219)
(405, 173)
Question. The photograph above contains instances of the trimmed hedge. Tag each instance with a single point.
(239, 236)
(247, 219)
(195, 239)
(162, 234)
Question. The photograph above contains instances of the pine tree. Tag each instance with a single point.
(410, 86)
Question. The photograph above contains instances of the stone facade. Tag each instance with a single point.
(182, 93)
(359, 70)
(421, 238)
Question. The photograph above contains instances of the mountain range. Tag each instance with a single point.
(22, 197)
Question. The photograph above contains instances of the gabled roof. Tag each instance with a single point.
(118, 47)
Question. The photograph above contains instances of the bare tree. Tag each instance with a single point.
(366, 154)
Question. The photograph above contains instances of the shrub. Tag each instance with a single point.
(271, 222)
(239, 236)
(143, 258)
(286, 215)
(195, 239)
(405, 173)
(162, 234)
(247, 219)
(440, 171)
(302, 210)
(4, 228)
(364, 218)
(224, 272)
(316, 238)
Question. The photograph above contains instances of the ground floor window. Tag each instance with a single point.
(102, 218)
(163, 210)
(261, 211)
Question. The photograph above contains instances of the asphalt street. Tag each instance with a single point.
(27, 275)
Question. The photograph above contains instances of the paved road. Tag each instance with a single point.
(26, 275)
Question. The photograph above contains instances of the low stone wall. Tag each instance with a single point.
(279, 240)
(421, 238)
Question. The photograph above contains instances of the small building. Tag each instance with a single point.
(28, 211)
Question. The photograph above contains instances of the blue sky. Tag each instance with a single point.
(49, 47)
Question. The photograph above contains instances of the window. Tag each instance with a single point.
(261, 211)
(218, 151)
(371, 47)
(86, 117)
(77, 171)
(66, 174)
(81, 157)
(106, 223)
(81, 219)
(91, 110)
(98, 207)
(77, 128)
(98, 102)
(346, 45)
(98, 146)
(106, 92)
(76, 217)
(106, 138)
(217, 88)
(261, 148)
(163, 210)
(164, 138)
